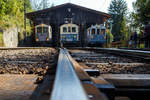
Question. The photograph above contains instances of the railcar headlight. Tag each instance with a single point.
(47, 39)
(37, 39)
(63, 37)
(75, 36)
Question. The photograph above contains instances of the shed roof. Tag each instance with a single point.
(29, 15)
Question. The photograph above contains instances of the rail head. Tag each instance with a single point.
(67, 85)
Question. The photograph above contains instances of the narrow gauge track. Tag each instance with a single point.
(139, 54)
(143, 49)
(129, 76)
(73, 82)
(67, 84)
(69, 81)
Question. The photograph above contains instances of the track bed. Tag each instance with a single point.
(111, 64)
(128, 75)
(27, 74)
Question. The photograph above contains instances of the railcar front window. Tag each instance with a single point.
(103, 31)
(93, 31)
(98, 31)
(45, 29)
(74, 29)
(64, 29)
(39, 30)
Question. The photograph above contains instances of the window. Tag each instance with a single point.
(93, 31)
(45, 29)
(39, 29)
(98, 31)
(103, 31)
(74, 29)
(64, 29)
(69, 29)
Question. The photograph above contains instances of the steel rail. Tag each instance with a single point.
(67, 85)
(124, 50)
(143, 55)
(114, 49)
(20, 48)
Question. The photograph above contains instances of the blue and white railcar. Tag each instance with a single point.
(96, 34)
(43, 33)
(69, 33)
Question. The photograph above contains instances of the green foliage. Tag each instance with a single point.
(142, 8)
(12, 13)
(118, 12)
(124, 30)
(110, 37)
(41, 4)
(140, 15)
(1, 39)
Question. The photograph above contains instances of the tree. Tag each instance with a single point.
(140, 16)
(109, 38)
(142, 10)
(124, 29)
(118, 11)
(12, 13)
(42, 4)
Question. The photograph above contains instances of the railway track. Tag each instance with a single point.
(129, 76)
(69, 81)
(89, 74)
(142, 54)
(67, 84)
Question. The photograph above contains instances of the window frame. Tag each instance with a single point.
(98, 31)
(45, 27)
(93, 32)
(73, 29)
(63, 29)
(103, 31)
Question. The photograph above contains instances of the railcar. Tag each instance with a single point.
(69, 33)
(43, 33)
(96, 35)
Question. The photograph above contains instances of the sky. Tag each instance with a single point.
(100, 5)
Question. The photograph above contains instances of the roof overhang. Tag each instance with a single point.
(32, 14)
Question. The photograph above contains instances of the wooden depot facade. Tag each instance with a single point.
(68, 13)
